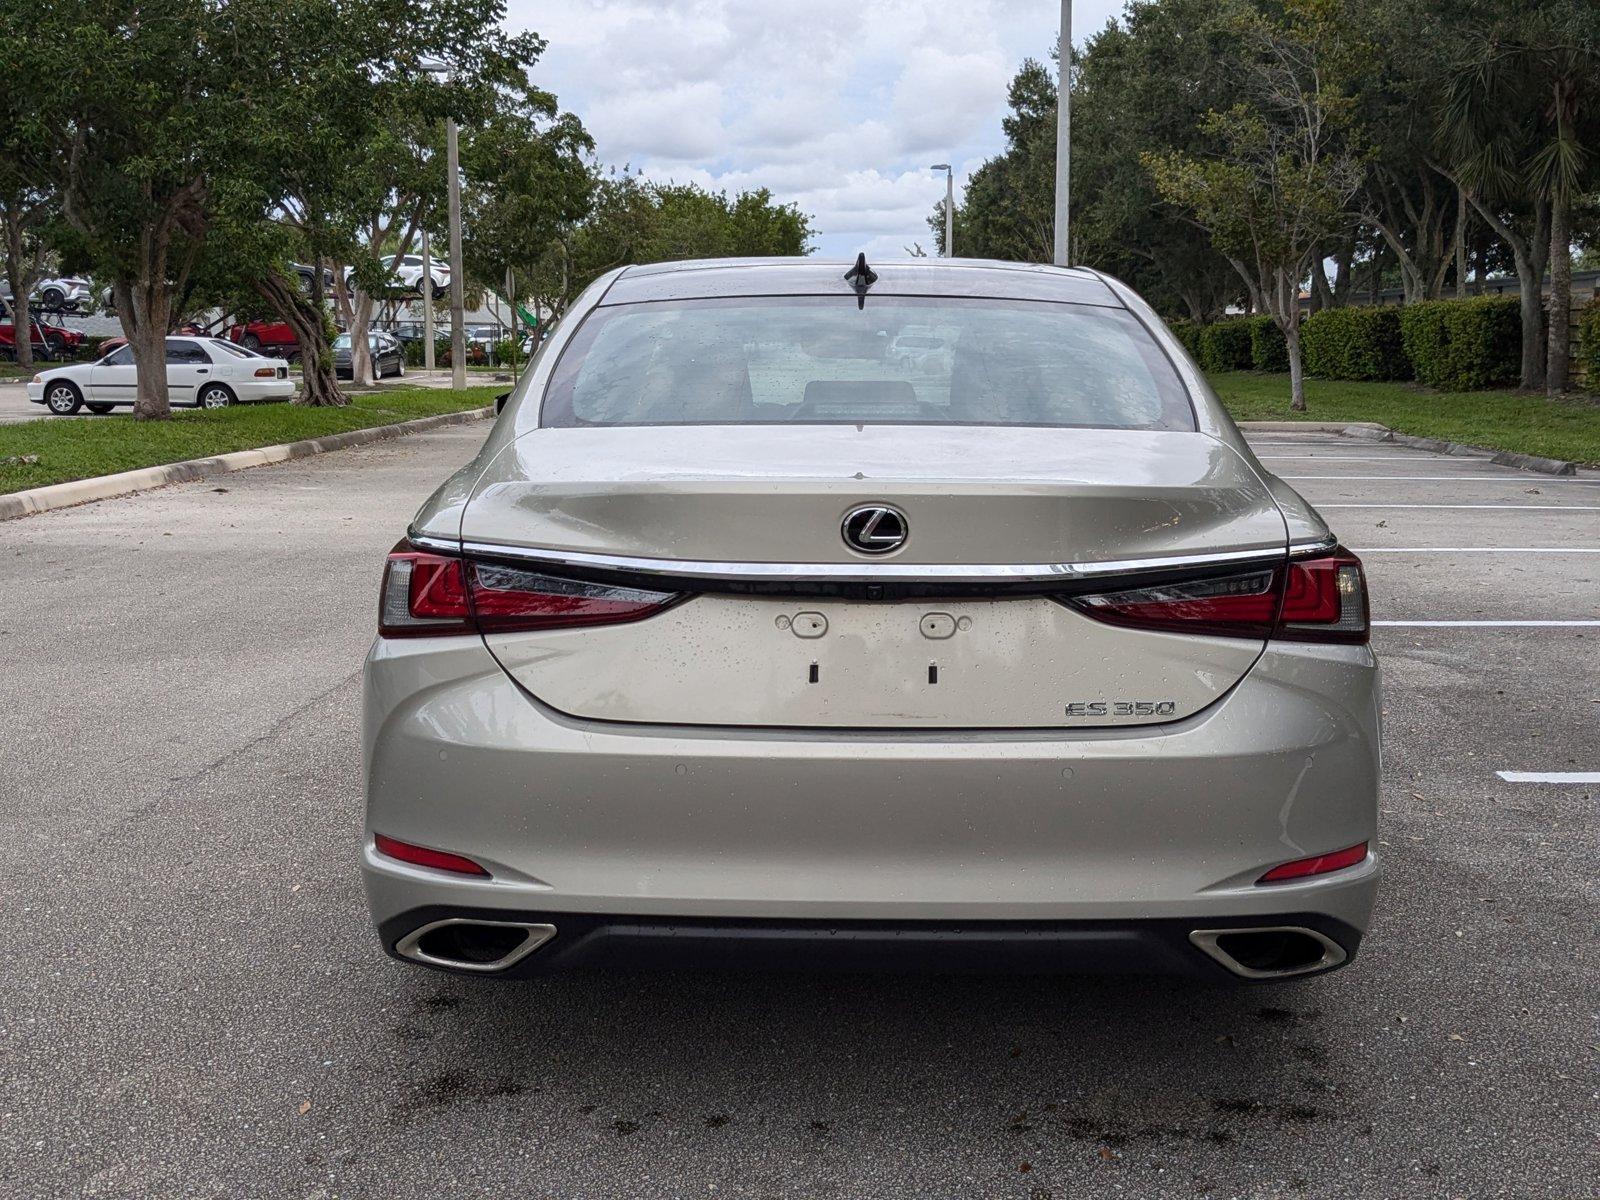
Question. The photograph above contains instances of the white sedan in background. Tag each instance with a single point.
(203, 372)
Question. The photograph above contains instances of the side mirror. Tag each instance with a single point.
(500, 402)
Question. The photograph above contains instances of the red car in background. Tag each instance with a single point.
(187, 329)
(264, 335)
(48, 340)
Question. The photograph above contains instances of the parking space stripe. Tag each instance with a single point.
(1488, 624)
(1550, 776)
(1349, 458)
(1508, 478)
(1507, 506)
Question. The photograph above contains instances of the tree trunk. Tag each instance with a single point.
(1461, 243)
(1285, 295)
(1342, 282)
(1529, 255)
(144, 306)
(1297, 377)
(1321, 293)
(1560, 296)
(319, 388)
(360, 337)
(20, 276)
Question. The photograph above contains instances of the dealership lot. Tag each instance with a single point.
(195, 1006)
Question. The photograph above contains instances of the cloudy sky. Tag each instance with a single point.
(837, 105)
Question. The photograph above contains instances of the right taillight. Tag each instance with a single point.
(1325, 600)
(431, 595)
(1322, 599)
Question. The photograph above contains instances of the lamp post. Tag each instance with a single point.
(949, 207)
(458, 329)
(427, 303)
(1064, 138)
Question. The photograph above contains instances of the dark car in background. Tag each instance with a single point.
(388, 355)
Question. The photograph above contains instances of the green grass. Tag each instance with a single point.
(1528, 424)
(79, 449)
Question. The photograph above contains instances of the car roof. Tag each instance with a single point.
(967, 277)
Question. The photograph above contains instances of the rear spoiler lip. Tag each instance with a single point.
(1037, 578)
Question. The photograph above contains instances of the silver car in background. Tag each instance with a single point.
(748, 637)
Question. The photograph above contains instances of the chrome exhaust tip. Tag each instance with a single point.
(467, 944)
(1270, 951)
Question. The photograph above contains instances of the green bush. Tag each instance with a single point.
(413, 349)
(1225, 345)
(1589, 343)
(1354, 343)
(1268, 350)
(506, 351)
(1463, 345)
(1188, 332)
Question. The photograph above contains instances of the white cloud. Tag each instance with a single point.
(836, 105)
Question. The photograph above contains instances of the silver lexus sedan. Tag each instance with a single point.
(749, 638)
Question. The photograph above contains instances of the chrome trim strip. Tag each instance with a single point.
(673, 568)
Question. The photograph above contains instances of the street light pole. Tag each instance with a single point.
(427, 302)
(458, 331)
(1064, 138)
(949, 207)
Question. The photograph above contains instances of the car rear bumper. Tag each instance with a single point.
(630, 823)
(587, 941)
(259, 391)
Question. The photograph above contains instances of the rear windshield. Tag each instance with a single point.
(899, 360)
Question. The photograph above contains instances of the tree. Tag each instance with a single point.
(24, 211)
(634, 221)
(125, 124)
(1141, 83)
(529, 183)
(1283, 181)
(1519, 126)
(1007, 209)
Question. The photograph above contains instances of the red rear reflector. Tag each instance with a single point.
(1320, 865)
(421, 856)
(432, 594)
(1320, 599)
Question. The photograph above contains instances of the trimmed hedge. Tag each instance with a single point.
(1188, 333)
(1589, 343)
(1462, 345)
(1354, 343)
(1225, 345)
(1268, 349)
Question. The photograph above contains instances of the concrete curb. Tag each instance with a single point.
(1373, 432)
(1353, 427)
(103, 487)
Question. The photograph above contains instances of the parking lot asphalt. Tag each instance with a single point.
(192, 1003)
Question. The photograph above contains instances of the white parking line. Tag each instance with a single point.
(1508, 478)
(1488, 624)
(1550, 776)
(1529, 507)
(1477, 550)
(1352, 457)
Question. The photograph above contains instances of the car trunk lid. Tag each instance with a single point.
(787, 625)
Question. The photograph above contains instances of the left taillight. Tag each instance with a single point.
(432, 595)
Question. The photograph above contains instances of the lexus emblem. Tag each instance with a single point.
(874, 529)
